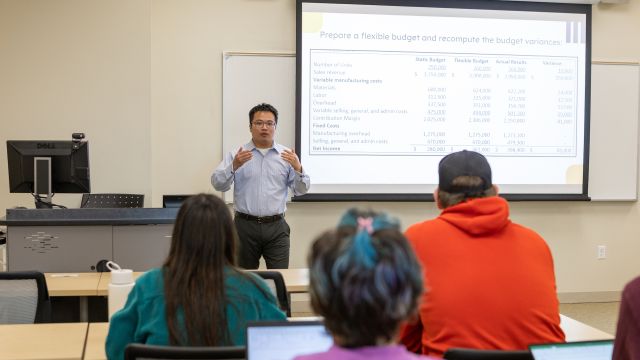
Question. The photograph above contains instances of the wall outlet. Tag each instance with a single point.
(602, 252)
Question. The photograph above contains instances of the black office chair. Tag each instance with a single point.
(3, 249)
(140, 351)
(473, 354)
(275, 281)
(24, 298)
(112, 201)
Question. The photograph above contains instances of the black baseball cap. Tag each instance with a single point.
(464, 163)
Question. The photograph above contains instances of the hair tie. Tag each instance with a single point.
(362, 250)
(365, 224)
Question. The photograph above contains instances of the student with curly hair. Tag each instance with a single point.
(365, 281)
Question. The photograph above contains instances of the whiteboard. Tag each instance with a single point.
(250, 78)
(613, 162)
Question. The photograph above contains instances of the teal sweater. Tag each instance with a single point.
(143, 318)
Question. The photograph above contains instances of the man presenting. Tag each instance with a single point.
(263, 171)
(490, 283)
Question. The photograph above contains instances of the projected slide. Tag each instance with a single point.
(387, 91)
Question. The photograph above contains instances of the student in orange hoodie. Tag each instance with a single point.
(490, 282)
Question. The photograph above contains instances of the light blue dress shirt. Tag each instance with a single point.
(261, 184)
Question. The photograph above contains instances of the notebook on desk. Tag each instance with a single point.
(578, 350)
(286, 340)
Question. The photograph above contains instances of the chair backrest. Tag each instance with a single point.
(112, 201)
(275, 281)
(141, 351)
(3, 249)
(473, 354)
(24, 298)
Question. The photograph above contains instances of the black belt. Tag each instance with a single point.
(260, 219)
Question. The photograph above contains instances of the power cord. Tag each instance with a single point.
(41, 204)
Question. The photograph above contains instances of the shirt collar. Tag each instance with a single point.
(277, 147)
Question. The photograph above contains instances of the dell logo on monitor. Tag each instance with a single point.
(46, 146)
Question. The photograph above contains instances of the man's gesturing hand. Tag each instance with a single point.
(291, 157)
(242, 156)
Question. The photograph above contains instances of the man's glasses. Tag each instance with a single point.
(268, 124)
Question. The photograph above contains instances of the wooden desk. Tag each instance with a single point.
(42, 341)
(97, 334)
(574, 330)
(73, 284)
(96, 337)
(297, 280)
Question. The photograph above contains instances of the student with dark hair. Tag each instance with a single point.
(491, 282)
(365, 281)
(262, 172)
(627, 342)
(198, 297)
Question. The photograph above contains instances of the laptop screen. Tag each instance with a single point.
(582, 350)
(286, 340)
(173, 201)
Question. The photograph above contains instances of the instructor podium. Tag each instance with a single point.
(75, 240)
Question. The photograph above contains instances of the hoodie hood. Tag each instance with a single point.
(478, 216)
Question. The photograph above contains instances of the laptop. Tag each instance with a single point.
(578, 350)
(285, 340)
(173, 201)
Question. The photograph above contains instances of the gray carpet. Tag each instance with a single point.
(602, 316)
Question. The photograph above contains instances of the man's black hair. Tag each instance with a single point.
(263, 107)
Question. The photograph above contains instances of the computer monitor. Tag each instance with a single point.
(43, 168)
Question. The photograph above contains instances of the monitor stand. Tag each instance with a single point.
(42, 182)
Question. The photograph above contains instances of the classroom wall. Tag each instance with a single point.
(143, 80)
(78, 66)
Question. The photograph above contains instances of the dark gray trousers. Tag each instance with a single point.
(269, 240)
